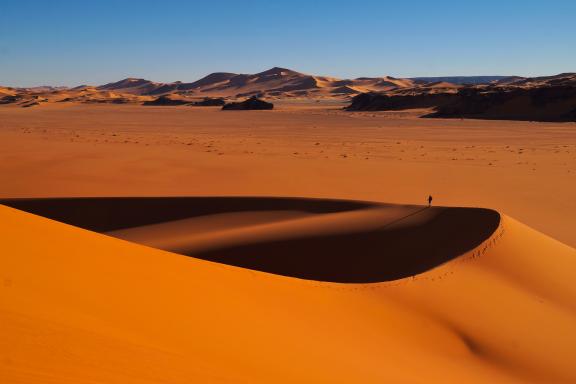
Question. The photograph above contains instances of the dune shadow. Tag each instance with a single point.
(104, 214)
(412, 242)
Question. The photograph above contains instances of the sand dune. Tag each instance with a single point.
(274, 83)
(565, 79)
(396, 241)
(132, 86)
(5, 91)
(82, 94)
(83, 307)
(465, 80)
(282, 82)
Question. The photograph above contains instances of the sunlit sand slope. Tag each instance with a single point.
(82, 307)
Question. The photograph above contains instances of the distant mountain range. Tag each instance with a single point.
(475, 95)
(283, 82)
(275, 82)
(280, 83)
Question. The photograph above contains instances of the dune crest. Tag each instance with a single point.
(315, 239)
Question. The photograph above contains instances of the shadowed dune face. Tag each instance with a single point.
(317, 239)
(404, 248)
(109, 214)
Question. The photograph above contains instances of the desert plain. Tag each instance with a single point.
(302, 148)
(373, 286)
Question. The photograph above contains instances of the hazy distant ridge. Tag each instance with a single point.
(462, 79)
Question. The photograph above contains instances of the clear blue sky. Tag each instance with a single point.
(71, 42)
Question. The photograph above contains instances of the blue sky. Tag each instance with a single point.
(66, 42)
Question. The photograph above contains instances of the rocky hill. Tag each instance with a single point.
(547, 98)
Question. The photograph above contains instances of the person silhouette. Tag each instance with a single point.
(429, 200)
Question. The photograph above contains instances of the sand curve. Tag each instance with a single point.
(315, 239)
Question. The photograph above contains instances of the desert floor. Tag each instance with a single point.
(283, 290)
(523, 169)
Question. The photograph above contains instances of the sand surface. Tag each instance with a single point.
(526, 170)
(314, 239)
(284, 290)
(82, 307)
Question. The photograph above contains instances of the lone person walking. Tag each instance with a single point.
(429, 200)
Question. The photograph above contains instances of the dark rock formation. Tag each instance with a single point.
(120, 101)
(549, 103)
(373, 101)
(166, 101)
(252, 103)
(32, 104)
(10, 99)
(210, 102)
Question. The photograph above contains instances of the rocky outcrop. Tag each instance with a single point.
(166, 101)
(547, 98)
(550, 103)
(252, 103)
(210, 102)
(373, 101)
(10, 99)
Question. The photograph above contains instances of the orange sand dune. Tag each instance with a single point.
(5, 91)
(83, 307)
(275, 82)
(360, 242)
